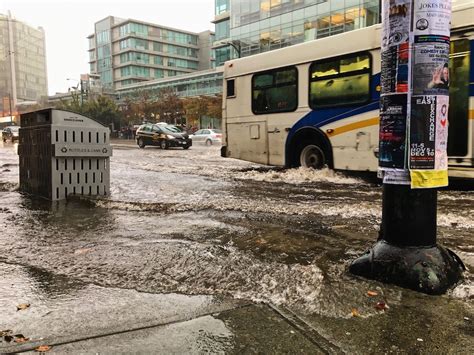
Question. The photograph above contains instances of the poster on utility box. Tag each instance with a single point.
(415, 73)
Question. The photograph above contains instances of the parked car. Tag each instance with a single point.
(11, 133)
(164, 136)
(207, 136)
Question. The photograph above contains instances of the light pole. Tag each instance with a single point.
(79, 84)
(236, 44)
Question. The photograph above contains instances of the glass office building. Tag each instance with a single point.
(256, 26)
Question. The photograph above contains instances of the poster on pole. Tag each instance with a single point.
(396, 22)
(428, 158)
(395, 68)
(392, 133)
(432, 17)
(431, 70)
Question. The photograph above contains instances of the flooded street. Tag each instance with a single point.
(190, 229)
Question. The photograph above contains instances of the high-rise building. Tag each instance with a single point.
(23, 75)
(246, 27)
(127, 52)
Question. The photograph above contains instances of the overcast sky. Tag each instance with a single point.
(67, 23)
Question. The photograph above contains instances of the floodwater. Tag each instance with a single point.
(193, 223)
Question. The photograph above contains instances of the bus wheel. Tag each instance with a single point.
(312, 156)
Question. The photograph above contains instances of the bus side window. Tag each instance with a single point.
(230, 88)
(340, 81)
(275, 91)
(458, 114)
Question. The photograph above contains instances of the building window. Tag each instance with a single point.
(222, 55)
(222, 6)
(157, 47)
(222, 30)
(340, 82)
(275, 91)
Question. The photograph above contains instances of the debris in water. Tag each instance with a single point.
(381, 306)
(43, 348)
(355, 312)
(419, 339)
(372, 293)
(22, 306)
(19, 338)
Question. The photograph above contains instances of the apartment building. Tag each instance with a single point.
(23, 74)
(126, 52)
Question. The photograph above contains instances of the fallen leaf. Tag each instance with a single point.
(372, 293)
(355, 312)
(5, 332)
(43, 348)
(381, 306)
(22, 306)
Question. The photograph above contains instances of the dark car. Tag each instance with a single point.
(164, 136)
(11, 133)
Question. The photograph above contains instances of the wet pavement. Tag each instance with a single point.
(195, 253)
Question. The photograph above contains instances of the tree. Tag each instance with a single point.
(104, 110)
(169, 106)
(195, 108)
(214, 106)
(101, 108)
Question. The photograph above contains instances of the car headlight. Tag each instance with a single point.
(170, 136)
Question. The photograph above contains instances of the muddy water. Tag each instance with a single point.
(193, 223)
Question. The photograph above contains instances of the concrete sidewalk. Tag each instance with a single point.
(170, 323)
(119, 142)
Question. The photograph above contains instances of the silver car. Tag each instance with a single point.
(11, 133)
(207, 136)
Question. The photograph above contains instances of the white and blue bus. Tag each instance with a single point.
(317, 103)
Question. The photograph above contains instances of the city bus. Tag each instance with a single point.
(316, 104)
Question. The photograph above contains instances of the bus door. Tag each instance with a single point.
(277, 132)
(459, 131)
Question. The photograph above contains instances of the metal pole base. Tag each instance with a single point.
(431, 270)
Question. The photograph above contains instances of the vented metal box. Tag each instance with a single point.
(63, 153)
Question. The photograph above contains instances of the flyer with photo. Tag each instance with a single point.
(430, 69)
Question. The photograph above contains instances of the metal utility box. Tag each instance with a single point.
(63, 153)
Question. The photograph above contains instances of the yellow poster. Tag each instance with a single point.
(424, 179)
